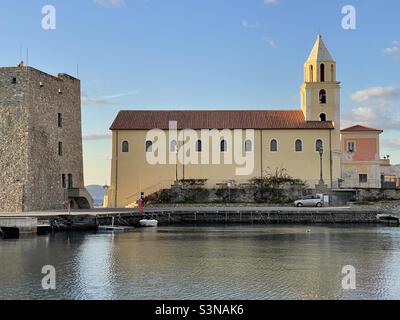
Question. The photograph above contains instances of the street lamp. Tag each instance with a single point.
(229, 185)
(176, 164)
(321, 152)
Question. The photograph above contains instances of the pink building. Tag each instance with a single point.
(361, 161)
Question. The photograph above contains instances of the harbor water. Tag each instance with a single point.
(207, 262)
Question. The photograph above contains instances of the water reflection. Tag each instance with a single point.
(274, 262)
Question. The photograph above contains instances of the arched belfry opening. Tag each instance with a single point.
(322, 72)
(322, 96)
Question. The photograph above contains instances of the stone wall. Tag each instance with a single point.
(285, 195)
(30, 135)
(48, 97)
(378, 194)
(13, 138)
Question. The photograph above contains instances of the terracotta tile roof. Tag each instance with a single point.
(359, 128)
(271, 119)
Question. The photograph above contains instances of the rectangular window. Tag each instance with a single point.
(70, 182)
(363, 178)
(60, 149)
(64, 181)
(60, 120)
(14, 80)
(351, 147)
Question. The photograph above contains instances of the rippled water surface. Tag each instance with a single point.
(274, 262)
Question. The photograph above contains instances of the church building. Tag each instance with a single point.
(150, 149)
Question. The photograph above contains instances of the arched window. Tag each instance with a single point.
(149, 146)
(322, 116)
(322, 72)
(173, 147)
(319, 144)
(332, 73)
(224, 146)
(199, 146)
(322, 97)
(299, 145)
(125, 146)
(311, 73)
(273, 145)
(248, 146)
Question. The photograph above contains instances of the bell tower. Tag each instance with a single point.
(320, 96)
(320, 92)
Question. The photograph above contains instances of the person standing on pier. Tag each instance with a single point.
(141, 203)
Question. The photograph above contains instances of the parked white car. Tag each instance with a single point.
(309, 201)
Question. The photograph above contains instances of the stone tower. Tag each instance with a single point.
(40, 141)
(320, 97)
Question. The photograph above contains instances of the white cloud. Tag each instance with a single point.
(104, 100)
(271, 42)
(120, 95)
(268, 2)
(381, 93)
(391, 143)
(97, 137)
(376, 107)
(111, 3)
(244, 23)
(87, 101)
(394, 49)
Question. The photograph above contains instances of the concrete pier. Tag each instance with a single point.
(219, 215)
(25, 225)
(91, 219)
(259, 216)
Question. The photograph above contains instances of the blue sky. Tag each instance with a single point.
(209, 54)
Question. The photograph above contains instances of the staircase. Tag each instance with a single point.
(164, 184)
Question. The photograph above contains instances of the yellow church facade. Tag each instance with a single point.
(152, 150)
